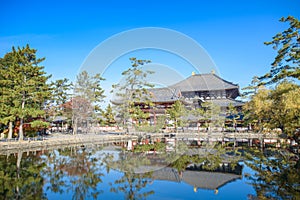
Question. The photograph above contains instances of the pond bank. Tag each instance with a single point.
(62, 140)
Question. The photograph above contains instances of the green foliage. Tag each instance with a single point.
(212, 114)
(39, 124)
(19, 178)
(287, 61)
(24, 88)
(160, 123)
(276, 175)
(109, 115)
(285, 112)
(277, 108)
(133, 92)
(177, 112)
(55, 106)
(158, 147)
(251, 89)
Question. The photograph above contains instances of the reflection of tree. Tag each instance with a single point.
(276, 176)
(83, 171)
(131, 184)
(208, 158)
(20, 178)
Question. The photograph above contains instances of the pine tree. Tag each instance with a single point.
(56, 106)
(26, 90)
(134, 92)
(176, 112)
(287, 61)
(109, 115)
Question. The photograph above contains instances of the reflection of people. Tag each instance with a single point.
(216, 191)
(195, 189)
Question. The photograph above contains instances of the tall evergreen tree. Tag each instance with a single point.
(6, 100)
(134, 91)
(25, 86)
(287, 61)
(61, 93)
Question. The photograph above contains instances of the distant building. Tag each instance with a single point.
(192, 92)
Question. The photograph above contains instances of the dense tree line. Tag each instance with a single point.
(29, 100)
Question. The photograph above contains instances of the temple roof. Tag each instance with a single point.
(208, 180)
(199, 179)
(164, 94)
(204, 82)
(198, 82)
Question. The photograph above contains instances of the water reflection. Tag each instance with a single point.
(82, 168)
(210, 167)
(20, 176)
(277, 173)
(93, 173)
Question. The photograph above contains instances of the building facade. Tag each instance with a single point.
(193, 92)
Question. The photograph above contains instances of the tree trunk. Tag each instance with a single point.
(21, 135)
(74, 126)
(10, 130)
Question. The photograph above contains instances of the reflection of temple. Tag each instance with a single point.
(210, 180)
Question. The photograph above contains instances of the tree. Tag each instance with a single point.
(109, 115)
(258, 108)
(251, 89)
(276, 175)
(6, 100)
(176, 112)
(212, 114)
(277, 108)
(60, 90)
(285, 108)
(134, 91)
(287, 61)
(25, 84)
(87, 97)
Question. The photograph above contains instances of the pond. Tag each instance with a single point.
(208, 172)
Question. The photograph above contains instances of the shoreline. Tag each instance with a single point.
(58, 140)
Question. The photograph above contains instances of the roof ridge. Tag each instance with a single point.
(224, 80)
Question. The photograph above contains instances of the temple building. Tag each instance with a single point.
(199, 88)
(193, 92)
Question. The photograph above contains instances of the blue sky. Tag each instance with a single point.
(65, 32)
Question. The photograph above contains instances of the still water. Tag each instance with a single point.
(109, 173)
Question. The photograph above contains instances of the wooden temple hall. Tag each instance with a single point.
(192, 92)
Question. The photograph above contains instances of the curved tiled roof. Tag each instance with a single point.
(164, 94)
(204, 82)
(199, 179)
